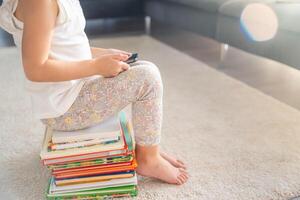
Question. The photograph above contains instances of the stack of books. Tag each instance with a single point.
(93, 163)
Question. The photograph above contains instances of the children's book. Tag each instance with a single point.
(90, 163)
(47, 153)
(107, 129)
(105, 193)
(85, 143)
(85, 157)
(54, 189)
(127, 130)
(91, 179)
(122, 147)
(89, 167)
(96, 171)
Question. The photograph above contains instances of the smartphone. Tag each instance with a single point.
(133, 58)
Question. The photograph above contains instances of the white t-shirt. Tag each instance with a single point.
(69, 43)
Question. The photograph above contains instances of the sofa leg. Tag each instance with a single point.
(148, 25)
(223, 51)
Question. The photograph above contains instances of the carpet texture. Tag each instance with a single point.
(238, 143)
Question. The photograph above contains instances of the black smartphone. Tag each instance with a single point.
(133, 58)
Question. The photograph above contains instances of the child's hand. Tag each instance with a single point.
(110, 65)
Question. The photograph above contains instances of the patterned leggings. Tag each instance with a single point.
(101, 98)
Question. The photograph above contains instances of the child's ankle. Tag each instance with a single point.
(147, 153)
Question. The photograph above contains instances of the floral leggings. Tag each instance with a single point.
(101, 98)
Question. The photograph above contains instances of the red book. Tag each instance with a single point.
(96, 171)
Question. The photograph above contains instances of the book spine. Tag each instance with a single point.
(83, 144)
(94, 196)
(58, 160)
(83, 138)
(90, 165)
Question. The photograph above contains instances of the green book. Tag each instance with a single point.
(105, 193)
(125, 128)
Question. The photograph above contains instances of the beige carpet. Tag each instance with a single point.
(238, 142)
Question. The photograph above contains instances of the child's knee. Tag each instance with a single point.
(151, 76)
(149, 69)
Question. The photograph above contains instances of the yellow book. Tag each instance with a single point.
(92, 179)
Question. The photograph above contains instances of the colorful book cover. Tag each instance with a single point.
(126, 129)
(89, 163)
(91, 175)
(96, 171)
(54, 189)
(99, 194)
(77, 169)
(86, 157)
(128, 147)
(91, 178)
(86, 143)
(46, 153)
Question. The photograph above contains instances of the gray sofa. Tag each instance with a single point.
(95, 9)
(220, 20)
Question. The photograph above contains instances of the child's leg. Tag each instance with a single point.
(99, 99)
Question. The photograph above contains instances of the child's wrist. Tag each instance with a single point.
(95, 66)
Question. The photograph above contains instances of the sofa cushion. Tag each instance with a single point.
(207, 5)
(288, 14)
(285, 45)
(235, 8)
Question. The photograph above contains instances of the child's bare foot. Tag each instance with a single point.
(175, 162)
(161, 169)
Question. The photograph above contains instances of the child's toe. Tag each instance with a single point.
(181, 162)
(180, 180)
(183, 178)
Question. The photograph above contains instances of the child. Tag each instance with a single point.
(74, 86)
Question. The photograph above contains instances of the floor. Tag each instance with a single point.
(238, 143)
(275, 79)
